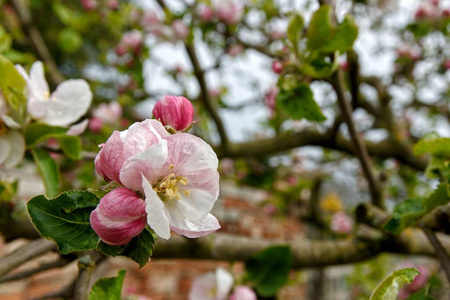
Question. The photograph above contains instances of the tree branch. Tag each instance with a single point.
(43, 267)
(306, 253)
(25, 253)
(205, 97)
(441, 252)
(361, 151)
(86, 266)
(37, 41)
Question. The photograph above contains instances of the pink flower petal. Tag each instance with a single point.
(119, 217)
(243, 292)
(147, 163)
(110, 159)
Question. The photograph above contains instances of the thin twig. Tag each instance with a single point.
(25, 253)
(440, 251)
(207, 101)
(37, 41)
(43, 267)
(361, 151)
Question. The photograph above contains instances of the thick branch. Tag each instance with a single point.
(305, 253)
(27, 252)
(37, 41)
(384, 149)
(361, 151)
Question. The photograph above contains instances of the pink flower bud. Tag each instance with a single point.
(235, 50)
(120, 50)
(277, 66)
(174, 111)
(447, 64)
(243, 292)
(132, 40)
(270, 98)
(113, 4)
(206, 13)
(180, 30)
(95, 124)
(119, 217)
(229, 12)
(341, 223)
(88, 4)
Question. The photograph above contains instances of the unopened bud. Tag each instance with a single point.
(173, 111)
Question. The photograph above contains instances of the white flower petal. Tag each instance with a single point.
(201, 228)
(190, 154)
(203, 287)
(203, 192)
(37, 84)
(224, 283)
(10, 122)
(78, 128)
(147, 163)
(68, 103)
(157, 215)
(17, 143)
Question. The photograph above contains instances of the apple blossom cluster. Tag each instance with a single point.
(217, 286)
(169, 182)
(66, 105)
(227, 11)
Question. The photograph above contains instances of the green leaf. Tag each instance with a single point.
(13, 87)
(39, 132)
(65, 220)
(439, 197)
(139, 249)
(327, 38)
(69, 40)
(268, 270)
(5, 40)
(405, 214)
(435, 146)
(298, 103)
(389, 287)
(48, 170)
(294, 29)
(71, 146)
(108, 288)
(320, 66)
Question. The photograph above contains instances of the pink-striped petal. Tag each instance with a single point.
(119, 217)
(197, 229)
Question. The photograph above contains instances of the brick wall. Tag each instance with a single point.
(239, 212)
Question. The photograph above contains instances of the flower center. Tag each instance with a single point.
(168, 188)
(46, 95)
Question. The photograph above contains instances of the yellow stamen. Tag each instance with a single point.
(167, 187)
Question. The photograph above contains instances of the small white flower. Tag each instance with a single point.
(212, 286)
(64, 106)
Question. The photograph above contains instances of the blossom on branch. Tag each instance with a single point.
(176, 173)
(64, 106)
(212, 286)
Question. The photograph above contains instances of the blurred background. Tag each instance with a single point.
(284, 178)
